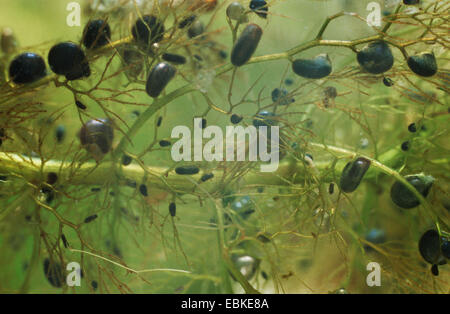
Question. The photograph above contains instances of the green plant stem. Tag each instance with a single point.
(228, 265)
(33, 261)
(289, 172)
(91, 173)
(147, 114)
(221, 247)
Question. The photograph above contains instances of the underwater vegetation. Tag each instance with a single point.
(93, 113)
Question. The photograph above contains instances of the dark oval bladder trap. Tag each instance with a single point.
(406, 199)
(54, 273)
(316, 68)
(264, 118)
(97, 136)
(97, 33)
(187, 170)
(148, 30)
(158, 78)
(69, 59)
(174, 58)
(430, 250)
(246, 45)
(353, 173)
(423, 64)
(376, 57)
(27, 68)
(259, 7)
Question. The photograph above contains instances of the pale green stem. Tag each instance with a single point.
(91, 173)
(33, 261)
(14, 204)
(228, 263)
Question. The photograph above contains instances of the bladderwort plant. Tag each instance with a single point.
(86, 173)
